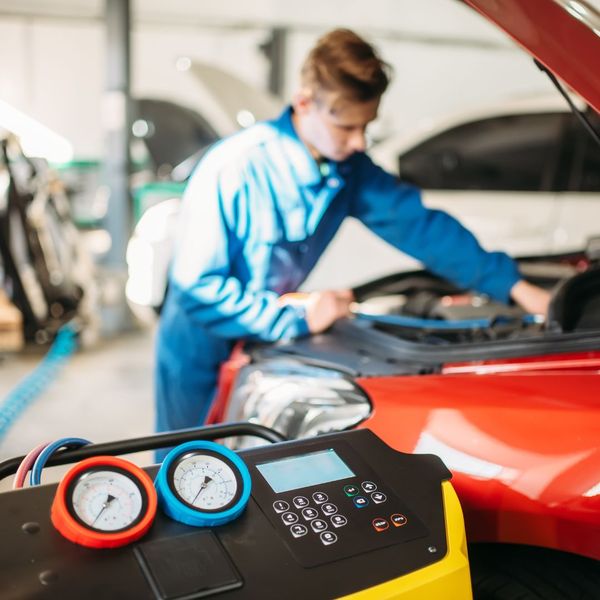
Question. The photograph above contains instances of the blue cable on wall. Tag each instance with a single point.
(29, 388)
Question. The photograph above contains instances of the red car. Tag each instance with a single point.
(511, 404)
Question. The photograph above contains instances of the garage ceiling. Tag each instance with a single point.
(429, 19)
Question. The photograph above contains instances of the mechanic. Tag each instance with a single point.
(262, 206)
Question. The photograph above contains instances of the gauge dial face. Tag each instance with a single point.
(205, 481)
(106, 500)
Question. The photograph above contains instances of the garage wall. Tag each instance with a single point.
(52, 61)
(54, 70)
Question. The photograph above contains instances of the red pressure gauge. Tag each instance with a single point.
(104, 502)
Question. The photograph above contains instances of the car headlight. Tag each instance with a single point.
(295, 399)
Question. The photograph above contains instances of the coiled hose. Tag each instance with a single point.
(32, 386)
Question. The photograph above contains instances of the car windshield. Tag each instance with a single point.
(527, 152)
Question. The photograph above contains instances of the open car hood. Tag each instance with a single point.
(236, 103)
(563, 35)
(176, 136)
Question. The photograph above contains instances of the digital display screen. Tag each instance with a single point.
(296, 472)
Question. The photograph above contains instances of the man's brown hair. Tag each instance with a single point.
(342, 61)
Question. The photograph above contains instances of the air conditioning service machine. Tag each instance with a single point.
(338, 515)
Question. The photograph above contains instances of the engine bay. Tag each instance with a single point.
(422, 307)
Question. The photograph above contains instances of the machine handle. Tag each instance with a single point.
(151, 442)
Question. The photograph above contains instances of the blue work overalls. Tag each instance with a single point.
(256, 215)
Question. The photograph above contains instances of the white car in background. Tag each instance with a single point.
(523, 176)
(515, 173)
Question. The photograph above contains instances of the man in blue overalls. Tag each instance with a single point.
(261, 208)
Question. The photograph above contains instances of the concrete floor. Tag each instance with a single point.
(102, 393)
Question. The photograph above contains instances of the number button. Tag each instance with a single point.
(329, 509)
(281, 506)
(378, 497)
(328, 538)
(289, 518)
(320, 497)
(360, 501)
(368, 486)
(318, 525)
(299, 530)
(300, 502)
(339, 520)
(309, 513)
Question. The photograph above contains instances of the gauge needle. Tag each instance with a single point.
(109, 499)
(203, 485)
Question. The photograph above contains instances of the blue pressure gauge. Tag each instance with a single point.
(203, 484)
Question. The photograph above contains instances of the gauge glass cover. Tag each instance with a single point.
(106, 500)
(206, 481)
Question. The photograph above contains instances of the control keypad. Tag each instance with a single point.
(320, 516)
(335, 519)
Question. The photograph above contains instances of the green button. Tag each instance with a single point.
(350, 490)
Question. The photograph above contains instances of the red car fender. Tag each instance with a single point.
(228, 373)
(523, 448)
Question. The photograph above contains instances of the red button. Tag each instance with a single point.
(380, 524)
(398, 520)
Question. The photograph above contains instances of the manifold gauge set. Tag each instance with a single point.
(106, 502)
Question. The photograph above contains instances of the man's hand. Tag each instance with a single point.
(530, 297)
(322, 308)
(326, 307)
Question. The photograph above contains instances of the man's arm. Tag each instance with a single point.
(530, 297)
(394, 211)
(216, 223)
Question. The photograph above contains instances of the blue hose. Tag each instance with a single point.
(414, 322)
(48, 451)
(29, 388)
(439, 325)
